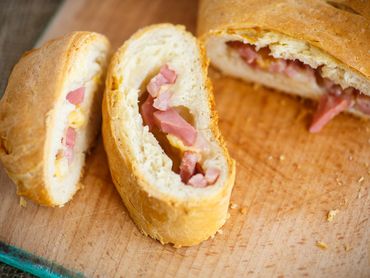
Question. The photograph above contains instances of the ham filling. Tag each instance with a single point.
(167, 122)
(64, 156)
(333, 102)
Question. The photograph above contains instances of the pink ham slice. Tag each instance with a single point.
(363, 103)
(70, 137)
(162, 102)
(76, 96)
(169, 75)
(198, 180)
(290, 68)
(212, 175)
(155, 84)
(171, 122)
(246, 51)
(326, 83)
(329, 106)
(278, 66)
(191, 171)
(146, 111)
(165, 76)
(295, 68)
(187, 166)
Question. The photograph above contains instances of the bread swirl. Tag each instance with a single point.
(315, 49)
(50, 116)
(161, 203)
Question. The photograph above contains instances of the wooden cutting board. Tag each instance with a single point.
(287, 181)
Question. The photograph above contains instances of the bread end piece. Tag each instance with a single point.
(28, 106)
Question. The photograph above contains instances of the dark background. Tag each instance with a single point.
(21, 24)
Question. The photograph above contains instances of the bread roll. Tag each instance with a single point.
(166, 155)
(311, 48)
(50, 116)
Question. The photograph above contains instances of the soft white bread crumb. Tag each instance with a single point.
(85, 70)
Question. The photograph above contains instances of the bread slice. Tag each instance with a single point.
(160, 203)
(50, 116)
(326, 42)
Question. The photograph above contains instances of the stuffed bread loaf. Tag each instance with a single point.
(50, 116)
(311, 48)
(167, 158)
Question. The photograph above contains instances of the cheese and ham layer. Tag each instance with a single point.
(64, 156)
(335, 99)
(157, 113)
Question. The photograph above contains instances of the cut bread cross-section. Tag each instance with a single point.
(313, 49)
(166, 155)
(50, 116)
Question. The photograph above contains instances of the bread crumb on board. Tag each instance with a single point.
(339, 182)
(345, 201)
(220, 232)
(322, 245)
(281, 157)
(359, 194)
(22, 202)
(243, 210)
(361, 179)
(347, 247)
(331, 214)
(233, 205)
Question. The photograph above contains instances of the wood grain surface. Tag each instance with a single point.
(287, 181)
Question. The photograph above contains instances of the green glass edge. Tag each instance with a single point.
(33, 264)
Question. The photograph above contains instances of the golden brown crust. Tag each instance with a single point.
(359, 7)
(158, 215)
(343, 34)
(32, 91)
